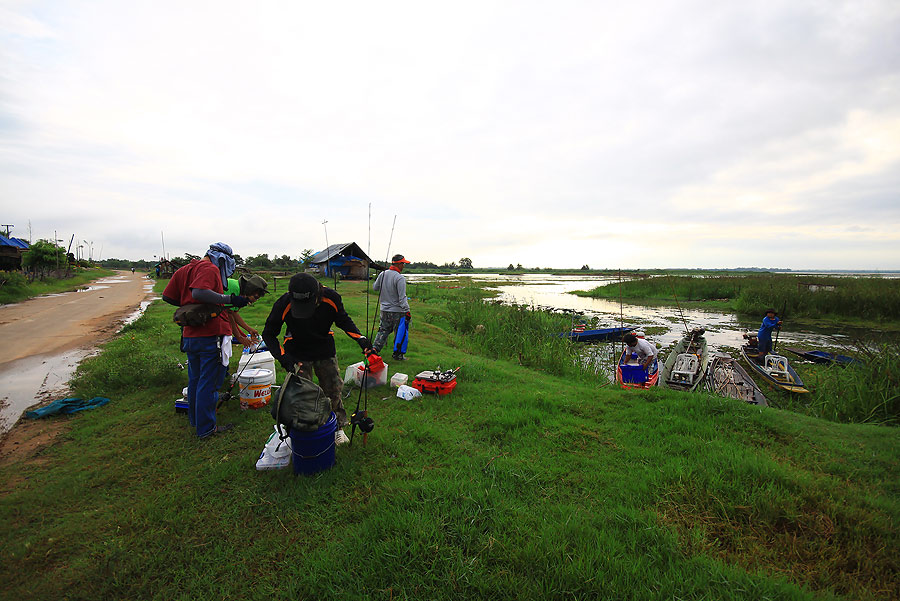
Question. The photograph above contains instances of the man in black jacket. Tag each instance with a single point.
(309, 309)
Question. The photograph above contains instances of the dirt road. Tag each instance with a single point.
(45, 337)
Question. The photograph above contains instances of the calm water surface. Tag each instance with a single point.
(664, 324)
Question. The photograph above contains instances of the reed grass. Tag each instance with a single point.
(872, 298)
(866, 393)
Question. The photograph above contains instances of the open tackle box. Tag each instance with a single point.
(436, 381)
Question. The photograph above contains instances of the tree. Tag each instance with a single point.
(284, 261)
(42, 257)
(585, 267)
(511, 267)
(305, 256)
(465, 263)
(259, 262)
(519, 266)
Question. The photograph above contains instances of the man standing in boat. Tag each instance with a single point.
(645, 351)
(764, 336)
(391, 288)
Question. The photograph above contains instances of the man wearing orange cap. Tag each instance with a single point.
(391, 288)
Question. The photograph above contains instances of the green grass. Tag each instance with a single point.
(864, 393)
(15, 288)
(858, 298)
(522, 484)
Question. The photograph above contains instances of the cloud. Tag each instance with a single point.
(491, 129)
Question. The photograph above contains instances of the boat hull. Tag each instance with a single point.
(627, 377)
(692, 345)
(793, 383)
(726, 377)
(825, 357)
(602, 335)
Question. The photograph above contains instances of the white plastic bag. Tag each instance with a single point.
(276, 454)
(408, 393)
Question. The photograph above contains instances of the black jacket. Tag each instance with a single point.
(309, 339)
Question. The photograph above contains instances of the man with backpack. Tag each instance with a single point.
(308, 310)
(197, 289)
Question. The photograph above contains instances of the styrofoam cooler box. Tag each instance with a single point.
(356, 374)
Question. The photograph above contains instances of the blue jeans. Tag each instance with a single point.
(205, 375)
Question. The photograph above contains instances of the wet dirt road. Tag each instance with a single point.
(46, 337)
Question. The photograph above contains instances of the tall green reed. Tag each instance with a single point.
(518, 332)
(863, 393)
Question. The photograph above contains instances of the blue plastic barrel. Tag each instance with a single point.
(314, 451)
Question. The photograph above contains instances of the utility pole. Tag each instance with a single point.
(7, 226)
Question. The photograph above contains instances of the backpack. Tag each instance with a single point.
(301, 404)
(195, 314)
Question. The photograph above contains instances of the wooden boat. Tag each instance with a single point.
(601, 335)
(818, 356)
(727, 378)
(776, 371)
(630, 374)
(685, 367)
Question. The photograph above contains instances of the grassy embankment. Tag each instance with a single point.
(528, 482)
(15, 287)
(854, 300)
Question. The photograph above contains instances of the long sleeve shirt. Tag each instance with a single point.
(765, 330)
(391, 288)
(309, 339)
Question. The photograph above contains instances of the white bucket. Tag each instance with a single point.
(260, 360)
(256, 387)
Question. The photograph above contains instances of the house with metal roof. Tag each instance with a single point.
(346, 259)
(11, 251)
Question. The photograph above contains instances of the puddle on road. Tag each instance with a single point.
(36, 380)
(140, 311)
(33, 380)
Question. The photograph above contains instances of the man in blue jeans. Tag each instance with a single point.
(208, 346)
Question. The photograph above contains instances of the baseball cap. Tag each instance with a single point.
(251, 284)
(399, 259)
(304, 291)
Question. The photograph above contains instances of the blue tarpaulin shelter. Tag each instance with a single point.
(346, 259)
(11, 251)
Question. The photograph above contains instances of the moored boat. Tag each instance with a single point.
(825, 357)
(631, 374)
(600, 335)
(727, 378)
(776, 370)
(685, 367)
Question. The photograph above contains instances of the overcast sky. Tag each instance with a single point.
(613, 134)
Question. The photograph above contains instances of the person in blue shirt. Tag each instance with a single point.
(764, 336)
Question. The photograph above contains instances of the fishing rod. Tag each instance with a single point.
(387, 257)
(328, 264)
(778, 329)
(677, 304)
(359, 418)
(227, 394)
